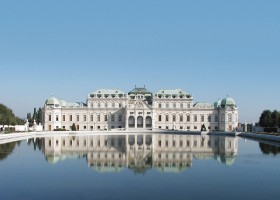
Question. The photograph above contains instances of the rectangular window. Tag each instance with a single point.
(181, 143)
(188, 118)
(98, 105)
(209, 118)
(167, 105)
(105, 118)
(91, 128)
(85, 118)
(78, 118)
(159, 105)
(50, 118)
(113, 118)
(159, 143)
(70, 118)
(181, 118)
(195, 127)
(166, 127)
(159, 118)
(85, 127)
(188, 143)
(189, 105)
(106, 105)
(174, 143)
(195, 118)
(181, 127)
(174, 118)
(195, 143)
(216, 118)
(63, 118)
(120, 118)
(166, 143)
(174, 105)
(98, 118)
(181, 105)
(120, 105)
(113, 105)
(56, 118)
(166, 118)
(188, 127)
(202, 118)
(91, 118)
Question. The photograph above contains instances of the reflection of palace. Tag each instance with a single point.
(164, 152)
(108, 109)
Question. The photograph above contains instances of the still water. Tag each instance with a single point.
(157, 166)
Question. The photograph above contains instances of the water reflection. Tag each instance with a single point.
(269, 149)
(167, 153)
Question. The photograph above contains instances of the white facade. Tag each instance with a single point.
(108, 109)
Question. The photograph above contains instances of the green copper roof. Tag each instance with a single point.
(202, 105)
(176, 92)
(139, 91)
(52, 101)
(228, 102)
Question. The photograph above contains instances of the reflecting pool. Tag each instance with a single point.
(139, 166)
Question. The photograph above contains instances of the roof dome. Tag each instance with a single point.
(62, 102)
(136, 91)
(217, 103)
(52, 101)
(228, 102)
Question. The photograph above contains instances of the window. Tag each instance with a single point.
(202, 118)
(56, 118)
(159, 118)
(159, 105)
(120, 118)
(63, 118)
(174, 118)
(181, 127)
(181, 105)
(195, 127)
(91, 128)
(167, 105)
(78, 118)
(189, 105)
(113, 105)
(174, 105)
(85, 118)
(120, 105)
(181, 118)
(223, 117)
(195, 143)
(188, 118)
(50, 117)
(209, 118)
(85, 127)
(166, 118)
(91, 118)
(216, 118)
(106, 105)
(181, 143)
(188, 143)
(98, 118)
(174, 143)
(70, 118)
(229, 118)
(113, 118)
(159, 143)
(98, 105)
(105, 118)
(166, 143)
(195, 118)
(188, 127)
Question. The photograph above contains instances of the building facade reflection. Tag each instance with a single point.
(141, 152)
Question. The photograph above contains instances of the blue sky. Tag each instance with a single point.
(211, 49)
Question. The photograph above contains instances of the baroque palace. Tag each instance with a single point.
(109, 109)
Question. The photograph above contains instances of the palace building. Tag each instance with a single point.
(109, 109)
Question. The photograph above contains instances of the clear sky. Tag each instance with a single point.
(70, 48)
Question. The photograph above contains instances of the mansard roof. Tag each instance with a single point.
(202, 105)
(176, 92)
(138, 90)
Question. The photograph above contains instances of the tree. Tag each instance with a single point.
(275, 118)
(266, 119)
(73, 127)
(40, 116)
(7, 116)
